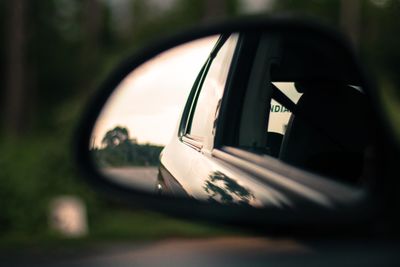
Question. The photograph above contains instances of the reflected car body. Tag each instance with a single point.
(313, 156)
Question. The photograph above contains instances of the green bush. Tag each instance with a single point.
(37, 169)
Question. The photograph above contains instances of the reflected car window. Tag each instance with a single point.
(212, 90)
(279, 115)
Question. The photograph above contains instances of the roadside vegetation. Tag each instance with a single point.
(118, 149)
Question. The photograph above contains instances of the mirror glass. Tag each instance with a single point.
(248, 118)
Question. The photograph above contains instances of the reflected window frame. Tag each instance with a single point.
(198, 142)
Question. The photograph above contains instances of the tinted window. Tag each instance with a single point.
(212, 90)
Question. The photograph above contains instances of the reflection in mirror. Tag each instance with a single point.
(141, 115)
(249, 119)
(226, 190)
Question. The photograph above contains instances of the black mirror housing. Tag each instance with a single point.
(344, 217)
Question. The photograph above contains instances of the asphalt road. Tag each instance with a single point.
(224, 251)
(143, 178)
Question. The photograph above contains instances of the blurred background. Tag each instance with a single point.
(54, 53)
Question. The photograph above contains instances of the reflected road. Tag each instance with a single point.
(142, 178)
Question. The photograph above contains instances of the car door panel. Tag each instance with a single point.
(219, 181)
(235, 177)
(175, 163)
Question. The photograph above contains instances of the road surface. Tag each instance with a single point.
(142, 178)
(221, 252)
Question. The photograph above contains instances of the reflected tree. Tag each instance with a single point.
(115, 137)
(223, 189)
(121, 150)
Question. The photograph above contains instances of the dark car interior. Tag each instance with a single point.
(328, 132)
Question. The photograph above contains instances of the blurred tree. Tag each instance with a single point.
(16, 100)
(350, 18)
(214, 9)
(324, 10)
(380, 39)
(115, 137)
(92, 21)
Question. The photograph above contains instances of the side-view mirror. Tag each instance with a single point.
(254, 122)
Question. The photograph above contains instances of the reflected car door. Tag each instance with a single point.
(193, 141)
(190, 164)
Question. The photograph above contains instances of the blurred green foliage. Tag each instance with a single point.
(67, 54)
(39, 168)
(71, 46)
(34, 170)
